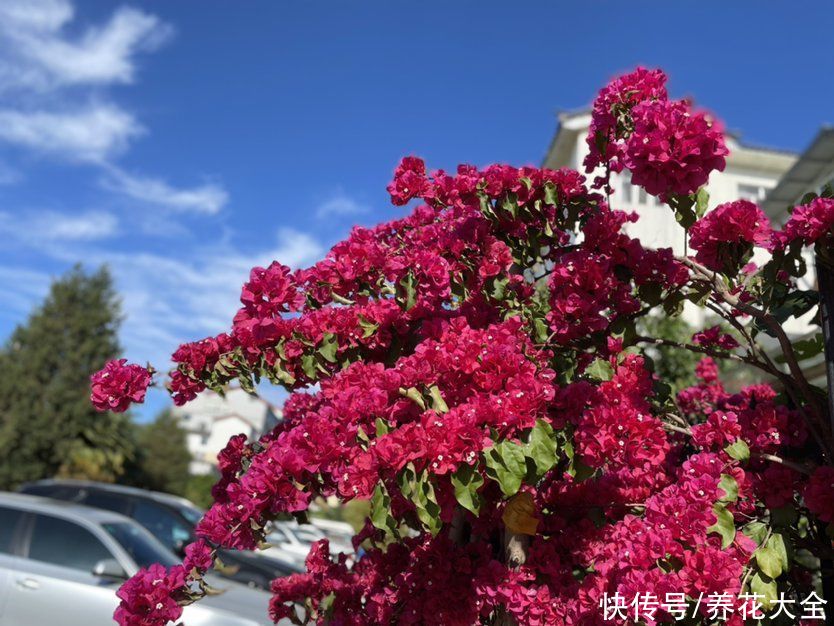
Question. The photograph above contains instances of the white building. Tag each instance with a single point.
(750, 174)
(210, 420)
(813, 170)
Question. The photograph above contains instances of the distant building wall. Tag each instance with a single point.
(750, 174)
(210, 420)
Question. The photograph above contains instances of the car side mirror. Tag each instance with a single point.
(109, 568)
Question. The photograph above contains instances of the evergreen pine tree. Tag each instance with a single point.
(47, 424)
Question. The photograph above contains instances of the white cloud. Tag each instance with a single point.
(40, 55)
(208, 198)
(170, 300)
(52, 81)
(340, 204)
(166, 300)
(49, 226)
(92, 134)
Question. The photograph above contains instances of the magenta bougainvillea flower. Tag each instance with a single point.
(725, 236)
(819, 493)
(673, 150)
(808, 223)
(474, 370)
(116, 386)
(152, 597)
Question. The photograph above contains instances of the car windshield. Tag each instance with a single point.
(191, 513)
(143, 549)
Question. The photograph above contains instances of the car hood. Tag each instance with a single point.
(238, 600)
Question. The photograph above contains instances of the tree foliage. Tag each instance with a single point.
(162, 458)
(47, 426)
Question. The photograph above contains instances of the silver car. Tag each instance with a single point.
(61, 563)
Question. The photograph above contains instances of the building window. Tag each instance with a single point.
(753, 193)
(627, 189)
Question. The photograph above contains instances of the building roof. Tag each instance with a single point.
(805, 175)
(742, 155)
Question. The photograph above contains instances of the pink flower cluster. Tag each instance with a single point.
(155, 596)
(819, 493)
(724, 237)
(152, 597)
(713, 337)
(669, 148)
(116, 386)
(498, 312)
(808, 224)
(610, 116)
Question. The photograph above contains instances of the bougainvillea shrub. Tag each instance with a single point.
(474, 371)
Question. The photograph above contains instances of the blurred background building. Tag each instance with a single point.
(211, 419)
(751, 173)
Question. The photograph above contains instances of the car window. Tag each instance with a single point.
(108, 501)
(308, 535)
(192, 514)
(9, 519)
(163, 524)
(61, 542)
(58, 492)
(145, 550)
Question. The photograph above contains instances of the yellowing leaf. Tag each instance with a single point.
(520, 515)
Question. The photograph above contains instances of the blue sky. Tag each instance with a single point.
(183, 142)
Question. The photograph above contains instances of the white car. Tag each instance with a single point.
(291, 541)
(61, 563)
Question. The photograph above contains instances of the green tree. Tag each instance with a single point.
(162, 456)
(674, 366)
(47, 425)
(198, 489)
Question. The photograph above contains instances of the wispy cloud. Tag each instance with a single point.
(92, 134)
(40, 55)
(168, 300)
(340, 204)
(208, 198)
(54, 84)
(49, 226)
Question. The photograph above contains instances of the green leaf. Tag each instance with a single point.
(768, 561)
(729, 486)
(600, 370)
(701, 202)
(413, 394)
(739, 450)
(499, 288)
(407, 481)
(509, 203)
(408, 291)
(437, 401)
(368, 327)
(382, 428)
(765, 587)
(783, 516)
(683, 208)
(542, 447)
(308, 365)
(466, 482)
(757, 531)
(772, 558)
(724, 525)
(541, 331)
(506, 465)
(551, 194)
(381, 511)
(805, 348)
(428, 510)
(328, 347)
